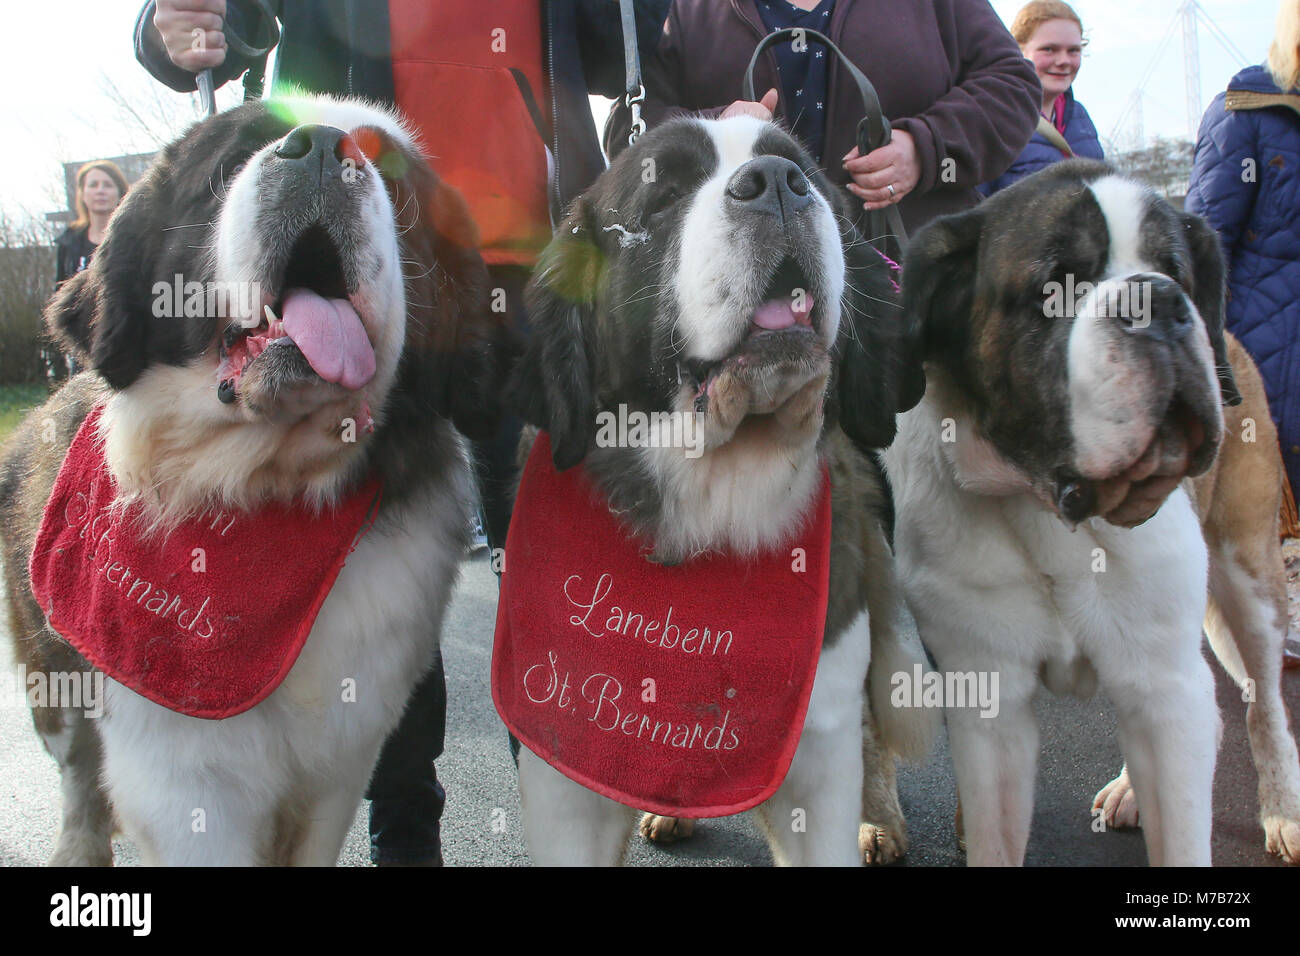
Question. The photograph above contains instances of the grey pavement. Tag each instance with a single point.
(481, 824)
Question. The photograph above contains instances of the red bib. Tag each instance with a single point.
(679, 690)
(205, 620)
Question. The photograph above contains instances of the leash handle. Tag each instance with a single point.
(236, 43)
(873, 130)
(635, 89)
(207, 93)
(267, 17)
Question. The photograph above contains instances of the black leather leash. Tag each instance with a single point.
(635, 94)
(874, 130)
(253, 79)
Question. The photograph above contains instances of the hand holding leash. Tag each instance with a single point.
(874, 134)
(191, 31)
(196, 35)
(886, 174)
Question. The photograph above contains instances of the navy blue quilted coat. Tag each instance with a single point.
(1039, 153)
(1246, 182)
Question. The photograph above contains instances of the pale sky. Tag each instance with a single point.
(60, 55)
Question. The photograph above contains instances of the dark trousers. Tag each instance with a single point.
(406, 799)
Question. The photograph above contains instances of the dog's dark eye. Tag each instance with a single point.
(660, 201)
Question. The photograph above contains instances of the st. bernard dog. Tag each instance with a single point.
(1077, 373)
(710, 271)
(345, 342)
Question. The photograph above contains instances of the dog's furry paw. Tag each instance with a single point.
(880, 845)
(91, 850)
(1282, 836)
(659, 829)
(1117, 802)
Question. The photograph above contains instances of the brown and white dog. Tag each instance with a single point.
(369, 294)
(729, 284)
(1077, 369)
(1239, 503)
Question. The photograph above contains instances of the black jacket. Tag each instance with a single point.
(342, 47)
(72, 252)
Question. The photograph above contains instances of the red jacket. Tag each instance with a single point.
(947, 71)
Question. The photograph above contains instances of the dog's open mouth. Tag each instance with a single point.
(780, 328)
(313, 314)
(1178, 449)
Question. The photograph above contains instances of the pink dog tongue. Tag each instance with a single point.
(330, 334)
(781, 313)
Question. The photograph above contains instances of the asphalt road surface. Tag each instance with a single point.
(481, 825)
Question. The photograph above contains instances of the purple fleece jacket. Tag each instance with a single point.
(946, 71)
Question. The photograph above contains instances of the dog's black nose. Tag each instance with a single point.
(324, 148)
(771, 184)
(1148, 304)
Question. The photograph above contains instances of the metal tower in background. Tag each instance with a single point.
(1191, 66)
(1191, 16)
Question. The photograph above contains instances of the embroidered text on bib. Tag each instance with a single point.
(679, 690)
(207, 619)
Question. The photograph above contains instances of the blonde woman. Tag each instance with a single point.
(1050, 35)
(1246, 182)
(100, 187)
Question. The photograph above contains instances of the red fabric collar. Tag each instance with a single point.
(679, 690)
(1058, 114)
(206, 620)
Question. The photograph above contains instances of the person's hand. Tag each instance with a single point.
(762, 109)
(191, 32)
(894, 165)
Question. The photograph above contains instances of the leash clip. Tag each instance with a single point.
(634, 102)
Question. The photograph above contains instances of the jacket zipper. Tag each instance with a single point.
(352, 54)
(768, 54)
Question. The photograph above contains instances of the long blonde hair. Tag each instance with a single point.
(1284, 54)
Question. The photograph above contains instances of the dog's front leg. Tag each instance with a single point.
(995, 760)
(813, 819)
(565, 824)
(1169, 731)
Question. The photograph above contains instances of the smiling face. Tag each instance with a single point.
(1079, 318)
(1056, 50)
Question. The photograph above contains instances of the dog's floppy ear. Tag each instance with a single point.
(1207, 291)
(939, 288)
(875, 366)
(554, 385)
(449, 301)
(69, 313)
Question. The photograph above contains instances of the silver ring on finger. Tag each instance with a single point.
(892, 196)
